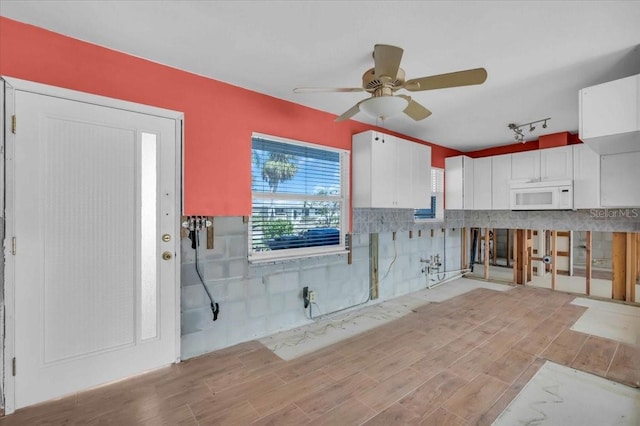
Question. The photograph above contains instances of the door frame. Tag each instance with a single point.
(8, 86)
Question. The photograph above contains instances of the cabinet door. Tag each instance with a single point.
(500, 177)
(453, 183)
(556, 163)
(404, 174)
(482, 183)
(383, 172)
(525, 165)
(619, 177)
(467, 184)
(586, 177)
(421, 180)
(609, 108)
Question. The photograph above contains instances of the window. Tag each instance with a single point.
(437, 198)
(299, 198)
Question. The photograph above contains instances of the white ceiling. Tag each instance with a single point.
(538, 54)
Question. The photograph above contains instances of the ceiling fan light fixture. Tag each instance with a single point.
(384, 107)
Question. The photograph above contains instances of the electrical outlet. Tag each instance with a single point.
(312, 296)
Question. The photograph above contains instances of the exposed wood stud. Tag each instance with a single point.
(588, 262)
(487, 253)
(527, 255)
(463, 254)
(210, 234)
(630, 267)
(554, 259)
(515, 256)
(508, 248)
(619, 266)
(373, 266)
(184, 232)
(494, 241)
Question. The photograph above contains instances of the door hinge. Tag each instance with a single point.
(13, 124)
(13, 366)
(13, 246)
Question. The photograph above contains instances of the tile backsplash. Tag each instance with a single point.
(609, 220)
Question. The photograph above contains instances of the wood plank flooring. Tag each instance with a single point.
(459, 362)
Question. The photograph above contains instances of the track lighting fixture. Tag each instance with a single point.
(519, 133)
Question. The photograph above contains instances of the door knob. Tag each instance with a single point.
(167, 255)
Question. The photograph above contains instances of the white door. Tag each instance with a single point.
(94, 193)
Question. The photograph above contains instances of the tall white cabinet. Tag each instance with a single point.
(389, 172)
(500, 178)
(586, 177)
(482, 184)
(458, 182)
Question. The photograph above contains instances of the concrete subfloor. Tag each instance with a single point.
(559, 395)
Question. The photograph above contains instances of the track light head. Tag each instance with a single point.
(518, 128)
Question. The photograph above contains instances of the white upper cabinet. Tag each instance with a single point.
(500, 177)
(421, 175)
(556, 163)
(610, 116)
(586, 177)
(619, 179)
(482, 184)
(389, 172)
(525, 166)
(458, 182)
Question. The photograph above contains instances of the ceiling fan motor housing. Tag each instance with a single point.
(382, 85)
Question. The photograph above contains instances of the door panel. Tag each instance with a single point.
(94, 192)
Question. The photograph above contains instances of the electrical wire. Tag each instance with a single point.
(395, 256)
(215, 308)
(306, 335)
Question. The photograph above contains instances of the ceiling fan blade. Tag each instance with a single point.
(326, 89)
(387, 60)
(452, 79)
(349, 113)
(415, 110)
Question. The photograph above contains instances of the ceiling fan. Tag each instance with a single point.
(386, 77)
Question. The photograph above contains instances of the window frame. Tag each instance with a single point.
(435, 194)
(343, 198)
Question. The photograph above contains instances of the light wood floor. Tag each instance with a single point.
(459, 362)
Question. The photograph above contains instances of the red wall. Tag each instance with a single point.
(517, 147)
(219, 117)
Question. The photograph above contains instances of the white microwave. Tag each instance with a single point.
(555, 195)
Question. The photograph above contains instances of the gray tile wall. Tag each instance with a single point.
(610, 220)
(259, 300)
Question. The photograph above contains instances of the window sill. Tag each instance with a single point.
(435, 220)
(286, 255)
